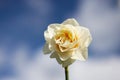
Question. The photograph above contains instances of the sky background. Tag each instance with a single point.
(23, 22)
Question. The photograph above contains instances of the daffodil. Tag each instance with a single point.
(67, 42)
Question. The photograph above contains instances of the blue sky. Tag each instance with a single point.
(24, 21)
(22, 24)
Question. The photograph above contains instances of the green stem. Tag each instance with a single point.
(66, 73)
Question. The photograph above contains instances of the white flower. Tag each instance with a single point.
(67, 42)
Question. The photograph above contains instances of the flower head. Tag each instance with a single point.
(67, 42)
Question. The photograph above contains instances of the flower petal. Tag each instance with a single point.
(68, 62)
(64, 63)
(55, 55)
(81, 54)
(46, 49)
(50, 32)
(53, 27)
(47, 36)
(65, 55)
(71, 21)
(85, 37)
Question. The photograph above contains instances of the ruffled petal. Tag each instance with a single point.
(55, 55)
(63, 63)
(81, 54)
(46, 49)
(71, 21)
(85, 37)
(47, 36)
(53, 27)
(50, 32)
(68, 62)
(65, 55)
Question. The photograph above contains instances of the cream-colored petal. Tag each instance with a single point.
(65, 55)
(47, 36)
(71, 21)
(53, 27)
(50, 32)
(85, 53)
(64, 63)
(85, 37)
(55, 55)
(68, 62)
(81, 54)
(46, 49)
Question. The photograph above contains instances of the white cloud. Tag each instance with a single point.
(107, 69)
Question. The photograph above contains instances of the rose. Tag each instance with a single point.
(67, 42)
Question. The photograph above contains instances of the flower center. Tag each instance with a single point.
(66, 39)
